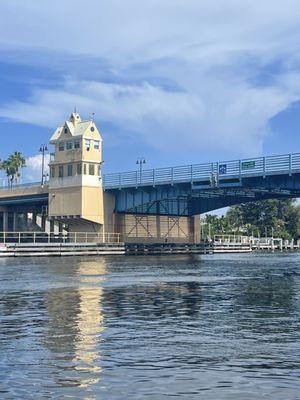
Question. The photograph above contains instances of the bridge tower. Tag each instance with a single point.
(75, 186)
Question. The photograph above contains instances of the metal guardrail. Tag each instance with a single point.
(70, 237)
(211, 171)
(236, 169)
(21, 185)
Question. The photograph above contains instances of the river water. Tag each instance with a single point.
(186, 327)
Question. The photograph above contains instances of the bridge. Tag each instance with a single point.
(185, 190)
(153, 202)
(199, 188)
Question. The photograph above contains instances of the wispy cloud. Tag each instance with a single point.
(180, 75)
(220, 115)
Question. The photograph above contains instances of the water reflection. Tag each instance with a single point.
(163, 327)
(20, 311)
(75, 325)
(264, 304)
(90, 318)
(268, 293)
(163, 300)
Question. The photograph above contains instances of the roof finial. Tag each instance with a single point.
(75, 111)
(93, 118)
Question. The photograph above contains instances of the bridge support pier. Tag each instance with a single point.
(15, 221)
(195, 228)
(43, 223)
(157, 228)
(34, 218)
(52, 226)
(5, 221)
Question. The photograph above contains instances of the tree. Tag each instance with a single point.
(12, 166)
(279, 216)
(18, 162)
(216, 225)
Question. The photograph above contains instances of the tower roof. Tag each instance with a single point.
(75, 118)
(75, 127)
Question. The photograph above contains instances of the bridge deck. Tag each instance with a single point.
(25, 193)
(212, 171)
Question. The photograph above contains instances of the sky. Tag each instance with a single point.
(175, 81)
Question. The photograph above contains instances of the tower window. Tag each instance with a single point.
(96, 144)
(91, 169)
(52, 172)
(66, 130)
(61, 146)
(79, 169)
(77, 144)
(61, 171)
(92, 129)
(84, 169)
(87, 143)
(69, 145)
(70, 170)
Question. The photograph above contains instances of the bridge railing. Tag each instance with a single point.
(51, 237)
(256, 166)
(5, 186)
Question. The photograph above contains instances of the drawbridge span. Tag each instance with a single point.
(194, 189)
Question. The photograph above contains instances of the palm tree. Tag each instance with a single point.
(12, 166)
(18, 162)
(5, 165)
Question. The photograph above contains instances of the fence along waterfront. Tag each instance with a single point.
(51, 237)
(250, 167)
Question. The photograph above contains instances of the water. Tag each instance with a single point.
(201, 327)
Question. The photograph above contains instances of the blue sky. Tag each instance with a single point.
(175, 81)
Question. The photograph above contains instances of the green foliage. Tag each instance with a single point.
(216, 225)
(280, 218)
(12, 166)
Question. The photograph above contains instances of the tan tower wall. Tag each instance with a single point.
(157, 229)
(75, 187)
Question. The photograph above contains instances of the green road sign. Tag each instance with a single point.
(248, 164)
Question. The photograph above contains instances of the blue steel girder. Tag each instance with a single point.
(24, 201)
(191, 199)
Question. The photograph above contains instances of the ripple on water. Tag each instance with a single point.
(151, 327)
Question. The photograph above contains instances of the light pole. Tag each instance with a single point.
(140, 161)
(43, 150)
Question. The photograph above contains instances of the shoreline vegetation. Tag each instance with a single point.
(273, 218)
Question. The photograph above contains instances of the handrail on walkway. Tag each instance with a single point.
(51, 237)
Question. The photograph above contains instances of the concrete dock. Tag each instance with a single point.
(39, 244)
(60, 249)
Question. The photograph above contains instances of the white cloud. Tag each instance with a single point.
(186, 74)
(33, 169)
(134, 30)
(212, 120)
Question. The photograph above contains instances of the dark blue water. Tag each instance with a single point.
(202, 327)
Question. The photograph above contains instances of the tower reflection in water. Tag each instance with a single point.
(76, 325)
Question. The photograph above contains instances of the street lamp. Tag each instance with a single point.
(43, 150)
(140, 161)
